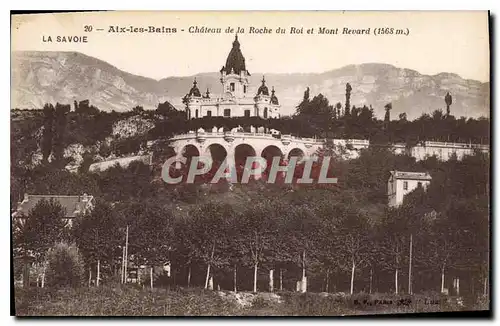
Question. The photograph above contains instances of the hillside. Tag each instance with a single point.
(40, 77)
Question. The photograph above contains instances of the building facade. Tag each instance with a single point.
(235, 99)
(401, 183)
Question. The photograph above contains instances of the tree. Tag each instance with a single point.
(348, 90)
(152, 235)
(97, 235)
(302, 107)
(390, 247)
(259, 234)
(64, 266)
(356, 247)
(448, 100)
(59, 137)
(301, 226)
(338, 106)
(387, 117)
(48, 131)
(207, 234)
(36, 233)
(138, 110)
(328, 248)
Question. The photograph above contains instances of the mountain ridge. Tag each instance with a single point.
(39, 77)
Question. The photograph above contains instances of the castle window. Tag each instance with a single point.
(244, 88)
(265, 113)
(231, 87)
(247, 113)
(405, 185)
(419, 184)
(209, 113)
(196, 114)
(227, 112)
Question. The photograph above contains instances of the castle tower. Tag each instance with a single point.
(266, 106)
(234, 75)
(235, 100)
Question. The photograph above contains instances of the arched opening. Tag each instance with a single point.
(189, 151)
(296, 152)
(270, 152)
(165, 153)
(265, 113)
(241, 152)
(217, 152)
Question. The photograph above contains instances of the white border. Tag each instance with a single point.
(492, 5)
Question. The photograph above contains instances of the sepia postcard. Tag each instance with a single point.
(266, 163)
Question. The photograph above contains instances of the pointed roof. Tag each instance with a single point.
(263, 90)
(235, 62)
(194, 91)
(274, 98)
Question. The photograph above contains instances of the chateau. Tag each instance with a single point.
(234, 100)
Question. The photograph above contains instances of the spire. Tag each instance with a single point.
(235, 62)
(194, 90)
(236, 43)
(263, 90)
(274, 99)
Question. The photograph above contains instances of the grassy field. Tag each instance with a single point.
(133, 301)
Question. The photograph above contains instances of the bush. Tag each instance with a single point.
(65, 266)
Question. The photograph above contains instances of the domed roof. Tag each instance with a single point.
(235, 62)
(274, 99)
(194, 90)
(263, 90)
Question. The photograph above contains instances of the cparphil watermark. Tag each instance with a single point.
(254, 166)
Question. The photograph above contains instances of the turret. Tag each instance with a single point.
(194, 91)
(263, 90)
(274, 99)
(234, 75)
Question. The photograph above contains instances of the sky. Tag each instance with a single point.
(456, 42)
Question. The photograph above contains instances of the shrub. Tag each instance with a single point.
(65, 266)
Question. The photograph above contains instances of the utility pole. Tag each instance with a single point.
(126, 255)
(410, 290)
(122, 269)
(371, 279)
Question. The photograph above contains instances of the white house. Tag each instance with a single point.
(401, 183)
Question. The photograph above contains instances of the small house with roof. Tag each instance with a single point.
(73, 206)
(401, 183)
